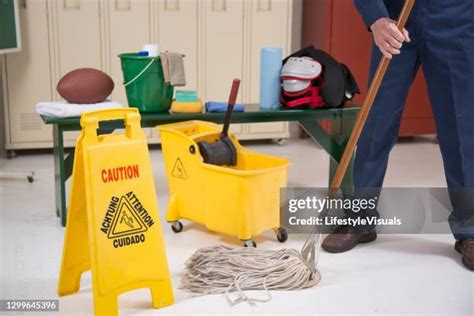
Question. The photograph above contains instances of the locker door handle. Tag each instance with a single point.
(72, 4)
(171, 5)
(219, 5)
(123, 5)
(264, 5)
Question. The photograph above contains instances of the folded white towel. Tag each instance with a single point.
(65, 109)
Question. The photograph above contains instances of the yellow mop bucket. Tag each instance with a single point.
(113, 227)
(242, 200)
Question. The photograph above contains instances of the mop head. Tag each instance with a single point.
(232, 271)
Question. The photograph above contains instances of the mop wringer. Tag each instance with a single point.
(215, 181)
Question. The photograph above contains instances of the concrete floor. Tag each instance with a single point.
(398, 274)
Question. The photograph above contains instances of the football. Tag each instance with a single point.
(85, 86)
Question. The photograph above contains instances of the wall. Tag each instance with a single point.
(2, 115)
(296, 44)
(297, 27)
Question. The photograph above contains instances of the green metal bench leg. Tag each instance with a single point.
(59, 173)
(334, 144)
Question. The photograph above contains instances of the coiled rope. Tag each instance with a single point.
(233, 271)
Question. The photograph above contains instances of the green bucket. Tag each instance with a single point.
(144, 83)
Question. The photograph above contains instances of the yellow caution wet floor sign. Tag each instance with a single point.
(113, 228)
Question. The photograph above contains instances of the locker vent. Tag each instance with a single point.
(30, 122)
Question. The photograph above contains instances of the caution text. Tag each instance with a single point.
(120, 173)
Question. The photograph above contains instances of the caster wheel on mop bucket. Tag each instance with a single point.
(282, 235)
(250, 244)
(177, 227)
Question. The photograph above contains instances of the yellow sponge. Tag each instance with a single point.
(186, 107)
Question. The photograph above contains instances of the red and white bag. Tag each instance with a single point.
(301, 83)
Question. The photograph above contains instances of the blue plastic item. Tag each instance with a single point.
(186, 96)
(270, 86)
(222, 107)
(143, 54)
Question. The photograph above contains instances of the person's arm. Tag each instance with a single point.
(371, 10)
(387, 36)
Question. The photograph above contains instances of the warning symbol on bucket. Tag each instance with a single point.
(178, 170)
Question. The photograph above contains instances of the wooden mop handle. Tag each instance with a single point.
(366, 106)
